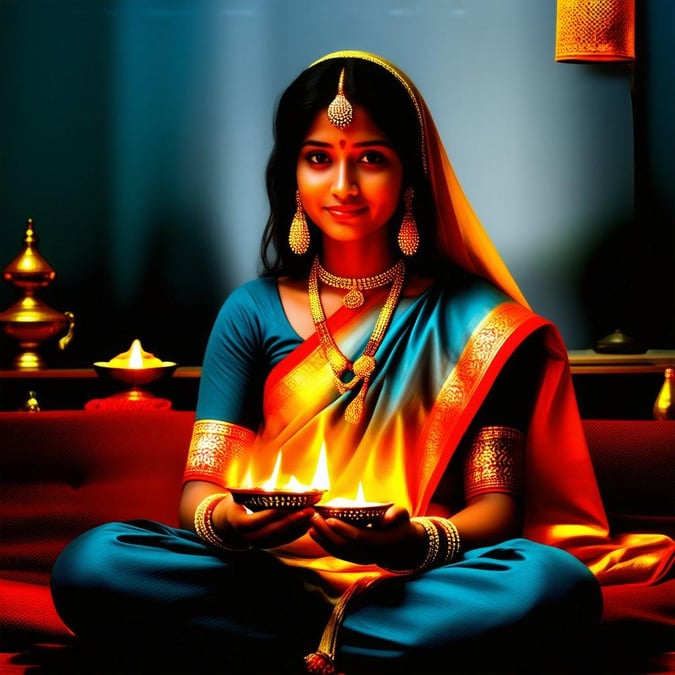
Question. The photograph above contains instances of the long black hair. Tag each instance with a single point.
(391, 109)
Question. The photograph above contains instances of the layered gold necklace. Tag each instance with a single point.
(355, 285)
(363, 367)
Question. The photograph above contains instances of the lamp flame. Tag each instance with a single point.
(321, 480)
(136, 355)
(135, 358)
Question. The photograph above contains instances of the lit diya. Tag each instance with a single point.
(135, 367)
(259, 499)
(270, 495)
(354, 511)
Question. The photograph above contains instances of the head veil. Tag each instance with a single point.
(461, 236)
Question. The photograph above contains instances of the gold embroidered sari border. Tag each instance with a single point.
(453, 410)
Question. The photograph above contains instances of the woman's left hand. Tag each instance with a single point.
(395, 542)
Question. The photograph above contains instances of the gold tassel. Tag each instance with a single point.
(322, 661)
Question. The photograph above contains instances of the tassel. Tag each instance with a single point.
(322, 661)
(318, 663)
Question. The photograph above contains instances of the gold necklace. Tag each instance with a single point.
(364, 366)
(354, 298)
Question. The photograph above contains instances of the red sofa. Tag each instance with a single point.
(62, 473)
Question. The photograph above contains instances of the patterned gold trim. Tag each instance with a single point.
(494, 462)
(214, 445)
(448, 419)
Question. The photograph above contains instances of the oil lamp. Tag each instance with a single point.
(272, 494)
(357, 511)
(291, 494)
(30, 321)
(135, 368)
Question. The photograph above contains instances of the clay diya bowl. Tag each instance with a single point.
(360, 515)
(258, 499)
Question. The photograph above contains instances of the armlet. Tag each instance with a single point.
(494, 462)
(213, 448)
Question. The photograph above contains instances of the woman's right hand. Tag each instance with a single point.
(236, 526)
(239, 528)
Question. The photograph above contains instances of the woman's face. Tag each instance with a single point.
(349, 179)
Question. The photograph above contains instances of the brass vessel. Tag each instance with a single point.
(664, 406)
(30, 321)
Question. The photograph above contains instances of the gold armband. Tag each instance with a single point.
(214, 447)
(494, 462)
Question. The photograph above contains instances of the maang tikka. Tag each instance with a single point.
(408, 236)
(298, 235)
(340, 112)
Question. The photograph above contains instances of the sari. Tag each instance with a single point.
(440, 359)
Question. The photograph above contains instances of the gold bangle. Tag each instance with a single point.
(203, 522)
(433, 549)
(452, 540)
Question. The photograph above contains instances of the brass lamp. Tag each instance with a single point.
(30, 321)
(135, 368)
(590, 31)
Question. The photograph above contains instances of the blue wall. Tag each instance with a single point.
(135, 133)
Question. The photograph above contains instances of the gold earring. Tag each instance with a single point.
(298, 235)
(408, 236)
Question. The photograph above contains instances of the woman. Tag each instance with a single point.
(387, 343)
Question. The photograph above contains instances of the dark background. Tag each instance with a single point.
(115, 138)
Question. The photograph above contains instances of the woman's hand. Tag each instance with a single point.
(236, 526)
(264, 529)
(395, 542)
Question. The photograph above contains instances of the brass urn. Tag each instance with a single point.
(30, 321)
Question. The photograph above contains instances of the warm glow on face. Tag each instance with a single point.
(349, 179)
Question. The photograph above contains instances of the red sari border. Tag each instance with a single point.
(490, 346)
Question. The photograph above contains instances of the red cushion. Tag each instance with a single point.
(65, 472)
